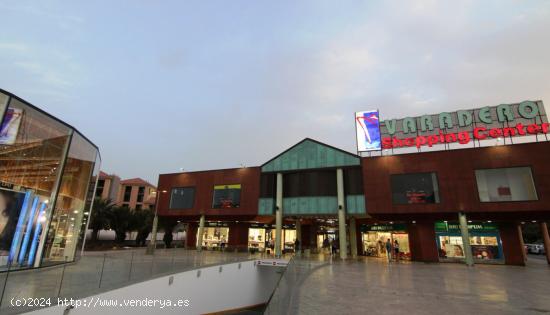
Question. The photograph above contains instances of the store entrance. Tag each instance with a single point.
(261, 238)
(327, 235)
(214, 238)
(375, 237)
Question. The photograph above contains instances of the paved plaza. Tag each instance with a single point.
(372, 286)
(317, 284)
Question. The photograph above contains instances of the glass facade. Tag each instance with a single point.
(48, 173)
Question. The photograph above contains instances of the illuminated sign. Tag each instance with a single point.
(464, 126)
(367, 128)
(9, 128)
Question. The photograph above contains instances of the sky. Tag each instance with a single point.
(163, 85)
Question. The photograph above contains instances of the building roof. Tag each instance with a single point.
(136, 182)
(310, 154)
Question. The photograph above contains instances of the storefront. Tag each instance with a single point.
(484, 240)
(261, 237)
(47, 182)
(472, 165)
(375, 236)
(215, 236)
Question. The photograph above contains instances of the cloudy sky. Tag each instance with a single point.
(164, 85)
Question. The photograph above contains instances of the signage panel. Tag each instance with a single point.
(367, 128)
(460, 129)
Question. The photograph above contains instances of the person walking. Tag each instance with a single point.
(396, 249)
(388, 249)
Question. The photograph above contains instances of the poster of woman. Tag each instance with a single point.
(10, 208)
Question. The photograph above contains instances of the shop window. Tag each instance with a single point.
(256, 239)
(484, 240)
(182, 198)
(416, 188)
(505, 184)
(214, 237)
(226, 196)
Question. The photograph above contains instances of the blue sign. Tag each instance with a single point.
(367, 127)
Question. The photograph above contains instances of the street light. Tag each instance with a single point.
(153, 243)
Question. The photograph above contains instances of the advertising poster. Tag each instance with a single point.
(11, 203)
(10, 126)
(226, 196)
(367, 127)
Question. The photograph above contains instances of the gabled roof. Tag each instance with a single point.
(135, 182)
(310, 154)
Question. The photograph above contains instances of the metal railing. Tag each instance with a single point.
(99, 272)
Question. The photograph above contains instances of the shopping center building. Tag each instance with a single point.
(454, 186)
(48, 173)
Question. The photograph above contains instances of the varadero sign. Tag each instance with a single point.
(463, 126)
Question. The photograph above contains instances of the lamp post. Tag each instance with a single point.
(153, 243)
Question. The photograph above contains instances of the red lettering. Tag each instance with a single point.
(533, 129)
(545, 127)
(420, 140)
(495, 132)
(509, 131)
(434, 139)
(386, 143)
(463, 137)
(520, 129)
(397, 143)
(450, 137)
(478, 135)
(409, 142)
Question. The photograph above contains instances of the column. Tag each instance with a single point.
(201, 233)
(341, 213)
(468, 258)
(546, 239)
(278, 215)
(153, 243)
(521, 243)
(352, 237)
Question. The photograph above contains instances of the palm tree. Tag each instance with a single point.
(121, 221)
(142, 222)
(100, 216)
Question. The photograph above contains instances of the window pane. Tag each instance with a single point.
(182, 198)
(226, 196)
(415, 188)
(505, 184)
(73, 202)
